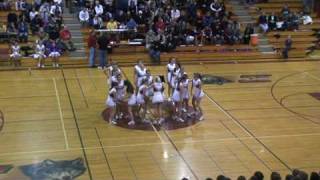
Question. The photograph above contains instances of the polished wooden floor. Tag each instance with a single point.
(270, 126)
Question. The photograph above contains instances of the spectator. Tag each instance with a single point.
(12, 18)
(15, 55)
(98, 8)
(92, 42)
(103, 43)
(84, 17)
(175, 13)
(287, 47)
(154, 51)
(275, 176)
(285, 11)
(112, 24)
(54, 53)
(131, 24)
(241, 178)
(97, 22)
(247, 33)
(65, 36)
(272, 21)
(314, 176)
(23, 31)
(263, 22)
(39, 53)
(306, 19)
(259, 175)
(160, 25)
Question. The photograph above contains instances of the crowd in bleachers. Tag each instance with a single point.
(284, 20)
(42, 20)
(167, 24)
(295, 175)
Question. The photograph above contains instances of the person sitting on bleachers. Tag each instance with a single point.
(36, 24)
(112, 24)
(306, 19)
(97, 22)
(54, 53)
(247, 34)
(98, 8)
(293, 21)
(15, 55)
(285, 11)
(39, 53)
(65, 36)
(263, 22)
(23, 31)
(84, 17)
(11, 28)
(12, 18)
(206, 36)
(272, 21)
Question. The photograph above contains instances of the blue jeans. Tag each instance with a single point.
(102, 57)
(154, 55)
(92, 56)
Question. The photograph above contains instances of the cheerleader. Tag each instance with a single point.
(111, 102)
(111, 72)
(141, 98)
(158, 98)
(149, 83)
(40, 53)
(185, 92)
(132, 102)
(176, 74)
(54, 53)
(170, 67)
(197, 94)
(139, 73)
(15, 55)
(176, 98)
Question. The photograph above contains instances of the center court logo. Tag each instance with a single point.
(147, 123)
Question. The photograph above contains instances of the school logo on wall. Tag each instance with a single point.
(255, 78)
(55, 170)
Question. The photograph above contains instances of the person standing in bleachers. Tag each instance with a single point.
(287, 47)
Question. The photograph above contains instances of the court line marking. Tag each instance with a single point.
(168, 143)
(313, 76)
(228, 115)
(61, 114)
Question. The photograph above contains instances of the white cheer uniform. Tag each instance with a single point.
(170, 68)
(15, 51)
(197, 92)
(185, 89)
(111, 102)
(140, 74)
(157, 95)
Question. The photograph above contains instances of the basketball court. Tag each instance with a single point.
(267, 119)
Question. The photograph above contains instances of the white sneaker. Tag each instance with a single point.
(180, 120)
(184, 110)
(42, 65)
(53, 65)
(201, 118)
(57, 65)
(130, 123)
(114, 122)
(99, 67)
(39, 65)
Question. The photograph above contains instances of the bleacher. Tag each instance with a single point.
(126, 54)
(303, 39)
